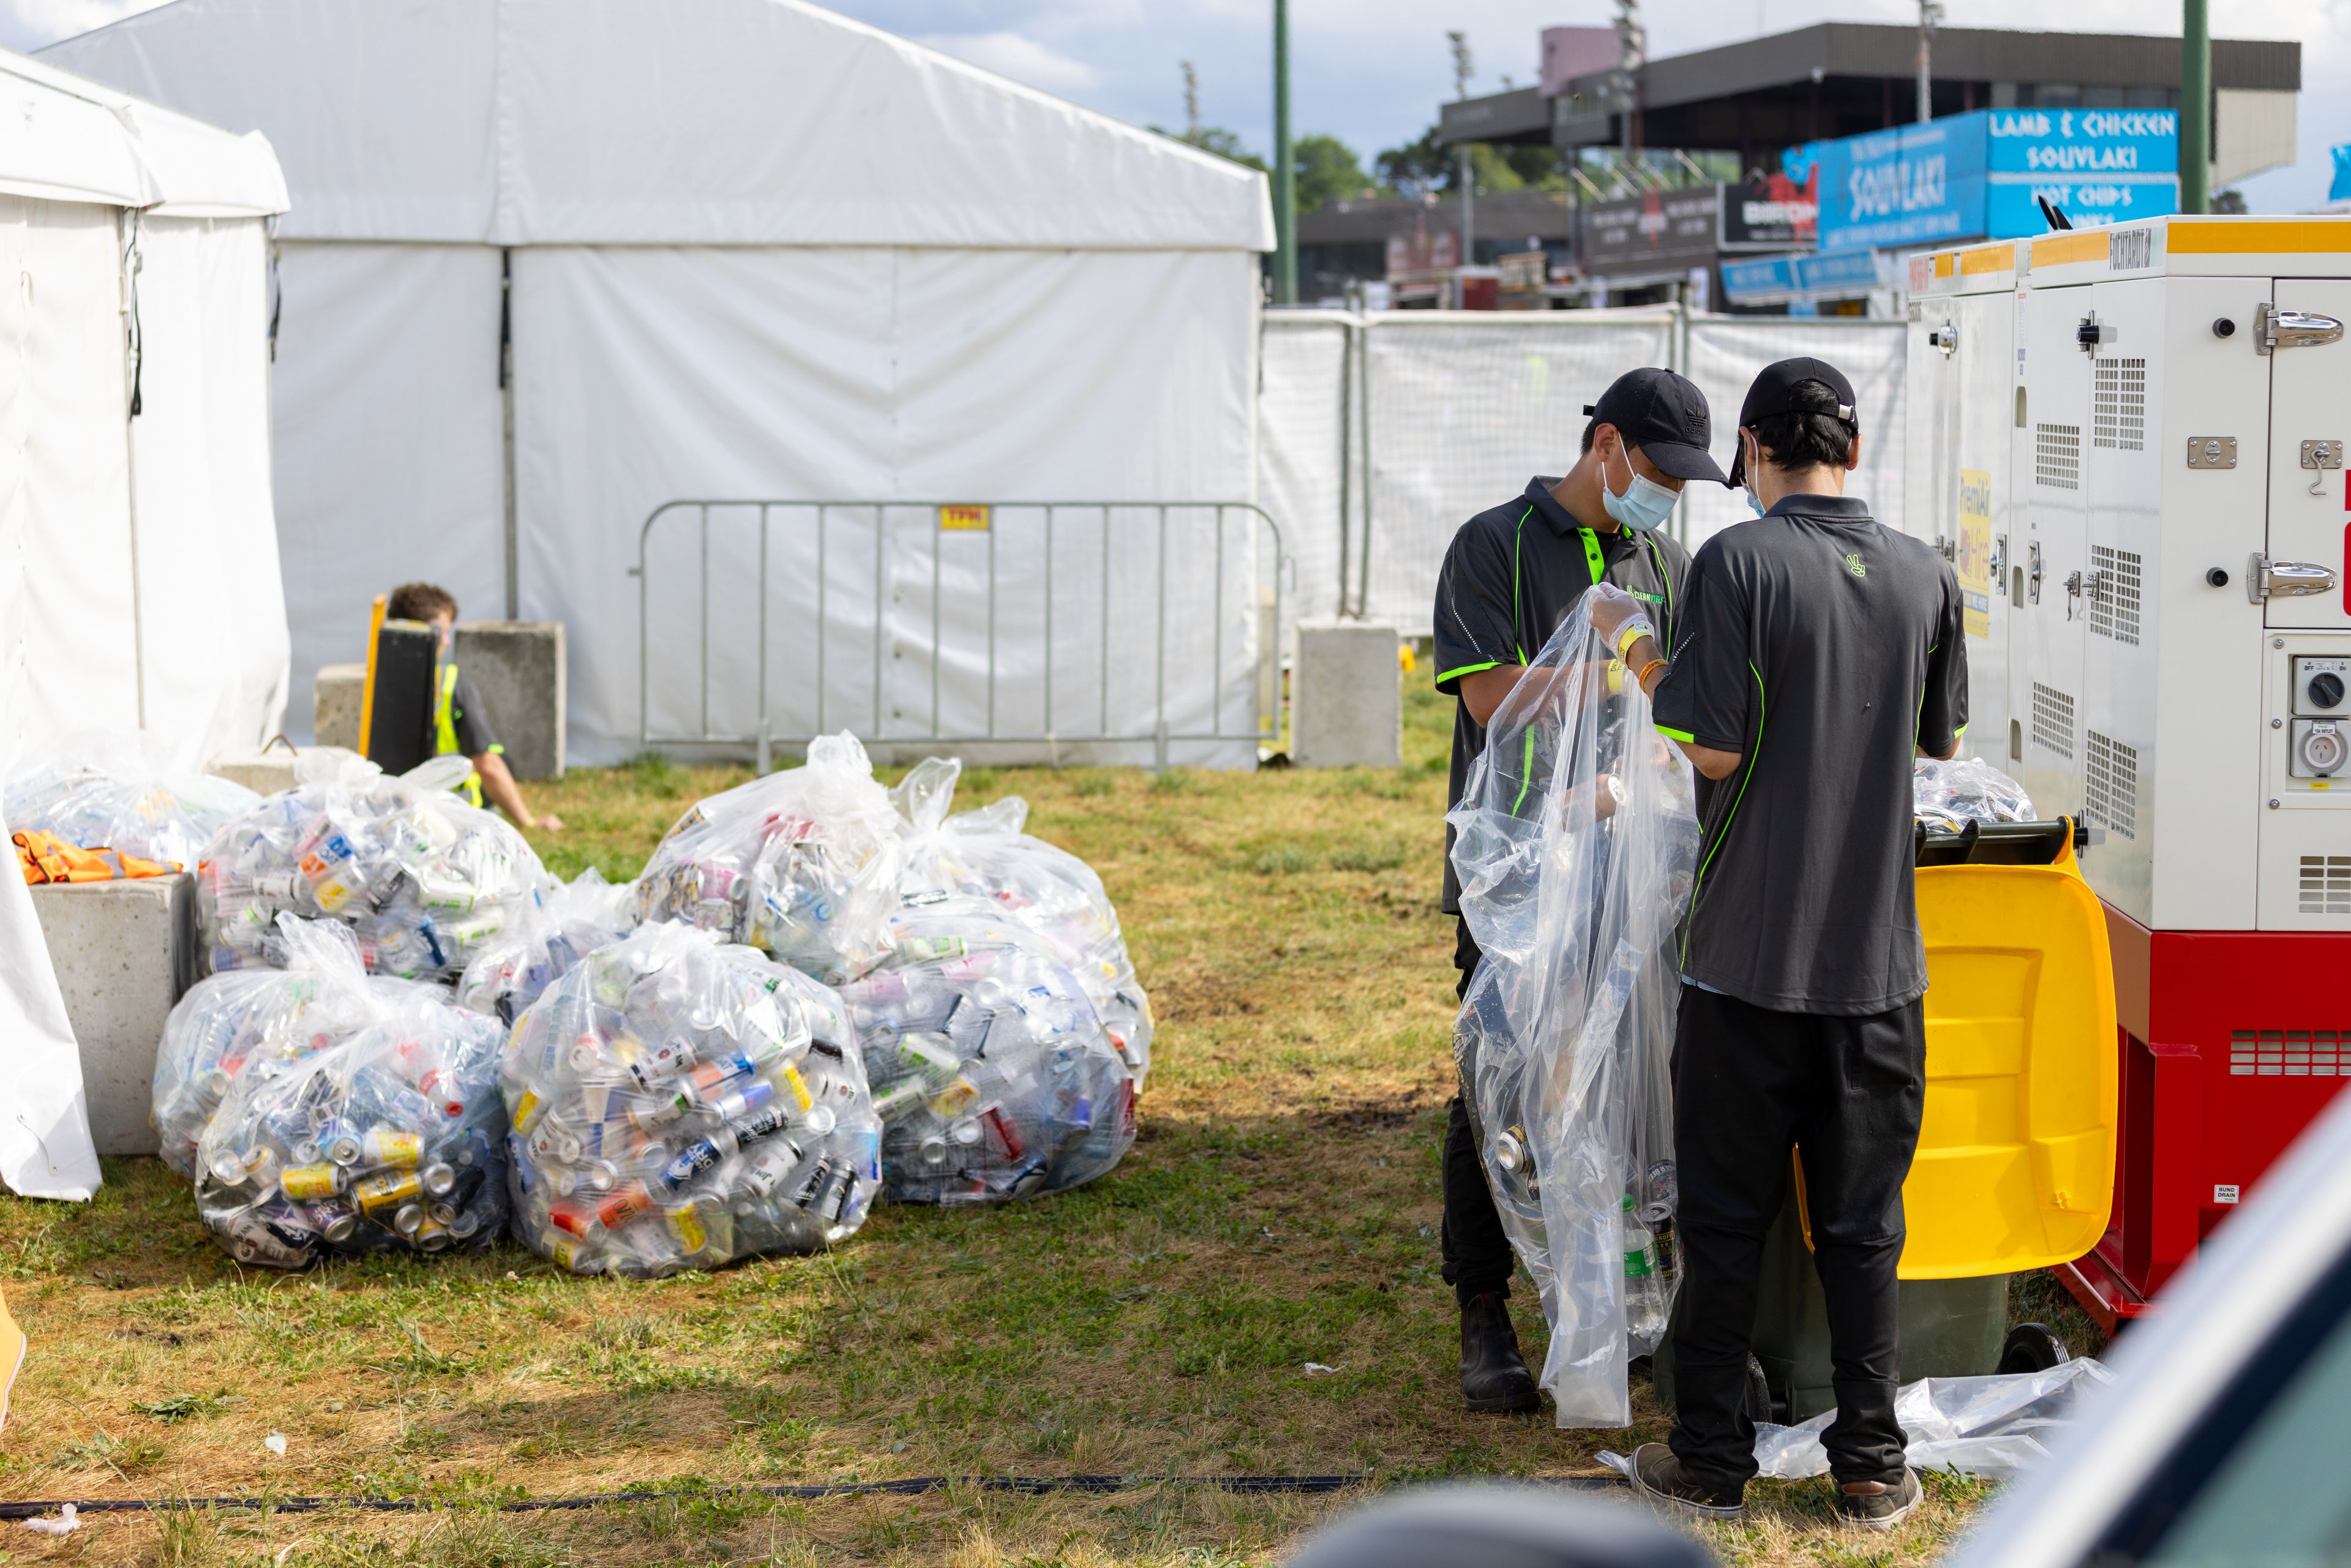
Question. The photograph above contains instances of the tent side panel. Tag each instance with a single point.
(211, 603)
(388, 453)
(650, 374)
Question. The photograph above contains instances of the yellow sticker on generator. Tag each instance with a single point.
(963, 519)
(1975, 551)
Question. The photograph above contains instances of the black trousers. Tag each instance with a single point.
(1847, 1092)
(1477, 1250)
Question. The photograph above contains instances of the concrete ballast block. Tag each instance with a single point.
(335, 704)
(1346, 696)
(518, 666)
(267, 769)
(124, 952)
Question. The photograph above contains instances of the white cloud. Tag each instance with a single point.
(1021, 59)
(26, 25)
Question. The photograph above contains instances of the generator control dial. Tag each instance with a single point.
(2321, 685)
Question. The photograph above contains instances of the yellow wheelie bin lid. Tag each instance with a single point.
(2015, 1167)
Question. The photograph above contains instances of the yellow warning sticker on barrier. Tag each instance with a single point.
(963, 519)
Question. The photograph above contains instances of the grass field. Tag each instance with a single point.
(1279, 1208)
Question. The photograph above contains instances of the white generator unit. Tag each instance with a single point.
(2129, 441)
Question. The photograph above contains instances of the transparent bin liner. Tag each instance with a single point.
(803, 865)
(985, 854)
(104, 789)
(575, 920)
(680, 1103)
(1574, 841)
(1967, 789)
(1994, 1427)
(370, 1122)
(994, 1075)
(423, 880)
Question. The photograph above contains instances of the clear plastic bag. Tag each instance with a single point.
(362, 1115)
(1993, 1427)
(679, 1103)
(993, 1075)
(803, 865)
(1575, 840)
(584, 914)
(103, 788)
(1967, 789)
(985, 854)
(423, 880)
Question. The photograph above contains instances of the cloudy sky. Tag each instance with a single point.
(1372, 71)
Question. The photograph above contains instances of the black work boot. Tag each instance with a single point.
(1494, 1375)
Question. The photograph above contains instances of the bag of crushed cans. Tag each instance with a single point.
(985, 854)
(370, 1122)
(994, 1076)
(576, 919)
(803, 865)
(104, 789)
(423, 880)
(679, 1103)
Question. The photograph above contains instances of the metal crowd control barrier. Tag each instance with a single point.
(1040, 600)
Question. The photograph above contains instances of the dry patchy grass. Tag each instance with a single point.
(1280, 1207)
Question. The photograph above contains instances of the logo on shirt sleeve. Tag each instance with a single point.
(1854, 564)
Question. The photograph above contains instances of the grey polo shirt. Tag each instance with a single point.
(1825, 648)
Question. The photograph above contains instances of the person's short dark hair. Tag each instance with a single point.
(420, 601)
(1807, 440)
(1591, 428)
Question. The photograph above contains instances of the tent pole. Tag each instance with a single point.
(506, 422)
(1285, 171)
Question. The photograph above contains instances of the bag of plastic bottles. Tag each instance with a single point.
(423, 880)
(1966, 789)
(370, 1120)
(104, 789)
(985, 854)
(803, 865)
(1575, 840)
(678, 1103)
(576, 919)
(994, 1076)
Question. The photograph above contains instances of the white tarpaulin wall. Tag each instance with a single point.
(1726, 352)
(138, 560)
(1305, 395)
(1465, 408)
(758, 251)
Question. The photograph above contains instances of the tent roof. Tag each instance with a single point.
(662, 123)
(84, 142)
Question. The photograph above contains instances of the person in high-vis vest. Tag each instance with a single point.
(460, 725)
(1512, 574)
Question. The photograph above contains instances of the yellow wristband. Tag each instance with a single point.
(1633, 631)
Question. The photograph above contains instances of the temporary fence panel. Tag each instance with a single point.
(1726, 352)
(1074, 631)
(207, 544)
(1306, 411)
(644, 374)
(1461, 409)
(387, 431)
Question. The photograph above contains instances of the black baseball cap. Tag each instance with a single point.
(1666, 416)
(1779, 389)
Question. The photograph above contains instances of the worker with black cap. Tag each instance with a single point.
(1816, 654)
(1510, 577)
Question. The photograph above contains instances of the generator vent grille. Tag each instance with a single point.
(2057, 456)
(2326, 885)
(2289, 1053)
(2114, 611)
(2118, 411)
(2053, 721)
(2110, 785)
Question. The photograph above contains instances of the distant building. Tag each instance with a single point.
(1370, 240)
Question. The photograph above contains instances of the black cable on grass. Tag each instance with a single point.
(913, 1486)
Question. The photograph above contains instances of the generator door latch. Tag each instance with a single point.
(2318, 456)
(2212, 451)
(1999, 564)
(2093, 332)
(1944, 338)
(2033, 578)
(2083, 585)
(2275, 329)
(2266, 578)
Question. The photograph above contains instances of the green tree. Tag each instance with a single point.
(1427, 167)
(1328, 170)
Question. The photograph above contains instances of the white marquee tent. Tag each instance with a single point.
(139, 583)
(740, 248)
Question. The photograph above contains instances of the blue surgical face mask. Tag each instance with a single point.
(1644, 505)
(1754, 461)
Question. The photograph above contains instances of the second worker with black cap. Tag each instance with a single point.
(1513, 572)
(1816, 654)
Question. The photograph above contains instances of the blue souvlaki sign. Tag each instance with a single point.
(1977, 176)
